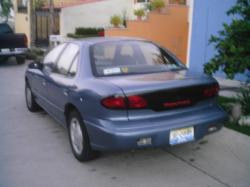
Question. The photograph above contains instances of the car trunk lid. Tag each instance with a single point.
(167, 90)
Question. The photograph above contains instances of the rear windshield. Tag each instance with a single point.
(131, 57)
(5, 29)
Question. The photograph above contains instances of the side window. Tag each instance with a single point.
(66, 59)
(53, 55)
(73, 68)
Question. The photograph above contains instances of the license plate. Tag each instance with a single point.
(180, 136)
(5, 50)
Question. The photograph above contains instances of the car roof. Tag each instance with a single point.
(96, 40)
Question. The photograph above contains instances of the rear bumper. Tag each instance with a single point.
(114, 135)
(16, 52)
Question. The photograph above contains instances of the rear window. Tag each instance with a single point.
(131, 57)
(5, 29)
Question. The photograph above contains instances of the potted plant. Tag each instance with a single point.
(157, 5)
(139, 13)
(116, 20)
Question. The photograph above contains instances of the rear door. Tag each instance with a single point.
(61, 81)
(40, 80)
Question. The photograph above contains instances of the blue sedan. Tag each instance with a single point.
(122, 93)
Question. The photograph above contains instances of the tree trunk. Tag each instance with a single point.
(32, 23)
(51, 16)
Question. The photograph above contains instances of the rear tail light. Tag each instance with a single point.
(211, 91)
(114, 103)
(131, 102)
(137, 102)
(25, 41)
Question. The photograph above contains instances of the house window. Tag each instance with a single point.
(22, 6)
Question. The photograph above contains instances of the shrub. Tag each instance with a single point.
(34, 54)
(244, 100)
(82, 32)
(116, 20)
(232, 43)
(157, 4)
(88, 31)
(139, 12)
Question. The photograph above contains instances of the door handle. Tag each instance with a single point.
(65, 92)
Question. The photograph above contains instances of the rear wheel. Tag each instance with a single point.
(30, 99)
(4, 59)
(20, 60)
(78, 137)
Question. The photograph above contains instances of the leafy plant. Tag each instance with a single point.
(88, 31)
(82, 32)
(244, 100)
(139, 12)
(5, 8)
(38, 4)
(233, 43)
(149, 7)
(157, 4)
(116, 20)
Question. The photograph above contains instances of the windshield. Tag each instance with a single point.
(5, 29)
(131, 57)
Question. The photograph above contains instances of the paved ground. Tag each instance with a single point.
(34, 152)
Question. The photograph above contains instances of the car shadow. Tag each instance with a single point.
(11, 62)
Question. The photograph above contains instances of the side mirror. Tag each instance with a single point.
(49, 68)
(36, 65)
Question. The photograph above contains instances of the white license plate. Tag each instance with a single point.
(180, 136)
(5, 50)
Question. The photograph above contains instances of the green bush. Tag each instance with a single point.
(116, 20)
(70, 35)
(34, 54)
(88, 31)
(244, 100)
(232, 43)
(82, 32)
(157, 4)
(139, 12)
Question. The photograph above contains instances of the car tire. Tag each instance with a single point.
(4, 59)
(79, 139)
(30, 99)
(20, 60)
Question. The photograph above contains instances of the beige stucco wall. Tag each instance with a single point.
(22, 22)
(95, 14)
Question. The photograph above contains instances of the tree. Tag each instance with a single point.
(51, 17)
(5, 8)
(233, 43)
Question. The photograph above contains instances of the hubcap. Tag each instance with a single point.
(29, 97)
(76, 135)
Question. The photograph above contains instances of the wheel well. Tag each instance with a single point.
(68, 108)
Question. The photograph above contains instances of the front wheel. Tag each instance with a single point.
(79, 139)
(30, 99)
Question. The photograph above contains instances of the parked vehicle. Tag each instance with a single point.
(12, 44)
(120, 94)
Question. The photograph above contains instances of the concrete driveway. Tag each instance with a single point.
(34, 152)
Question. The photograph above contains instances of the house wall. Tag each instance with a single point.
(22, 22)
(95, 14)
(169, 29)
(207, 19)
